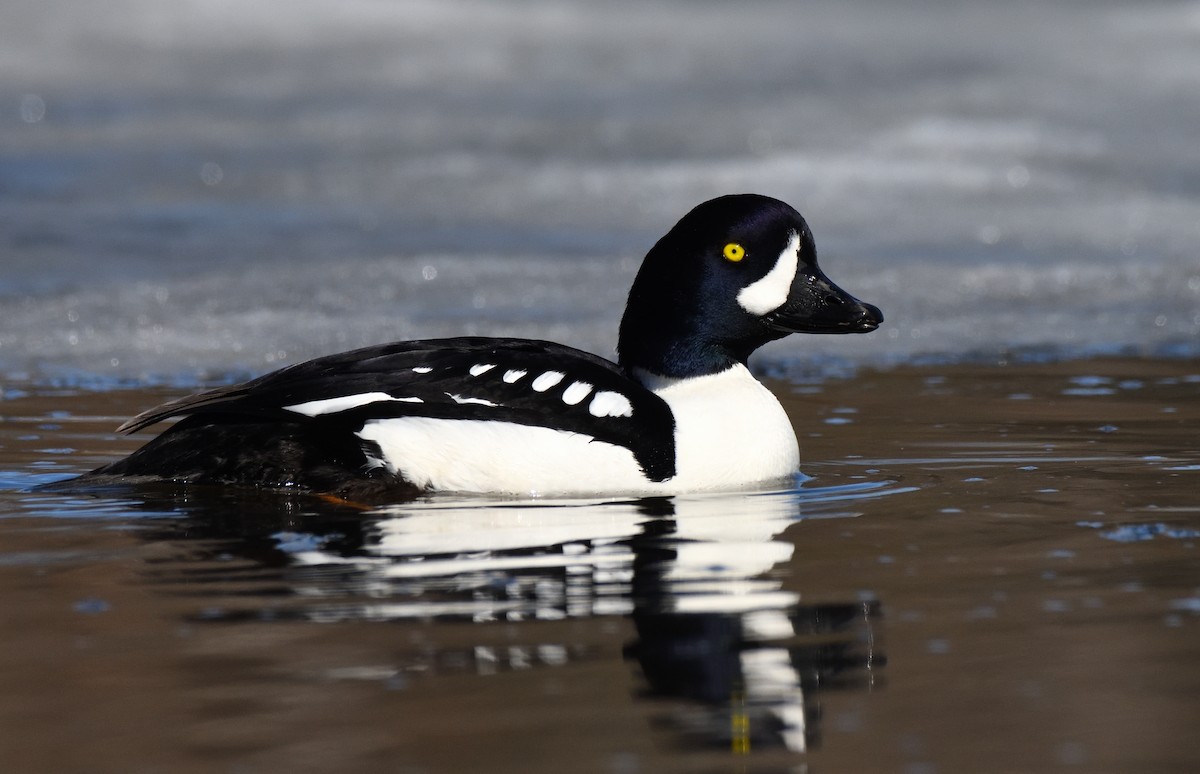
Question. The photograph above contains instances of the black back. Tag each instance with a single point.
(447, 377)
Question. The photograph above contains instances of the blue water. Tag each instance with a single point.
(194, 190)
(978, 563)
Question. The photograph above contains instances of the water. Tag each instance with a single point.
(989, 564)
(199, 188)
(980, 564)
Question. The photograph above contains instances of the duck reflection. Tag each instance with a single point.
(730, 656)
(715, 627)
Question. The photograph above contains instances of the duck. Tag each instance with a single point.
(678, 411)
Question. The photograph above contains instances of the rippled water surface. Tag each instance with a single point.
(989, 568)
(983, 569)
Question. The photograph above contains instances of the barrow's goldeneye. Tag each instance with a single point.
(678, 411)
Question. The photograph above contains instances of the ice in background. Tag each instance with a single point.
(196, 189)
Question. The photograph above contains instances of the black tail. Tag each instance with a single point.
(230, 450)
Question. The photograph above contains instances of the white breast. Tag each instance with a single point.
(730, 432)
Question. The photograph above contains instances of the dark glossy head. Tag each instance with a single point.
(735, 273)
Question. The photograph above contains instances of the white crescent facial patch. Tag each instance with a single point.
(770, 291)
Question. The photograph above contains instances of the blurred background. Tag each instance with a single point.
(201, 189)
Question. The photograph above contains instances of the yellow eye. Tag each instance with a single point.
(734, 252)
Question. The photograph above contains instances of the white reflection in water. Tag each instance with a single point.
(702, 578)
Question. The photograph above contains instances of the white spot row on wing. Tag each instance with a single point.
(547, 380)
(610, 404)
(576, 392)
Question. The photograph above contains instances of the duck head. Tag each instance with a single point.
(733, 274)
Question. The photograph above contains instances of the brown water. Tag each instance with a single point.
(990, 569)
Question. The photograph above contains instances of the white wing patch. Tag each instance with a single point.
(547, 380)
(481, 368)
(421, 369)
(576, 393)
(513, 375)
(610, 404)
(770, 291)
(344, 403)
